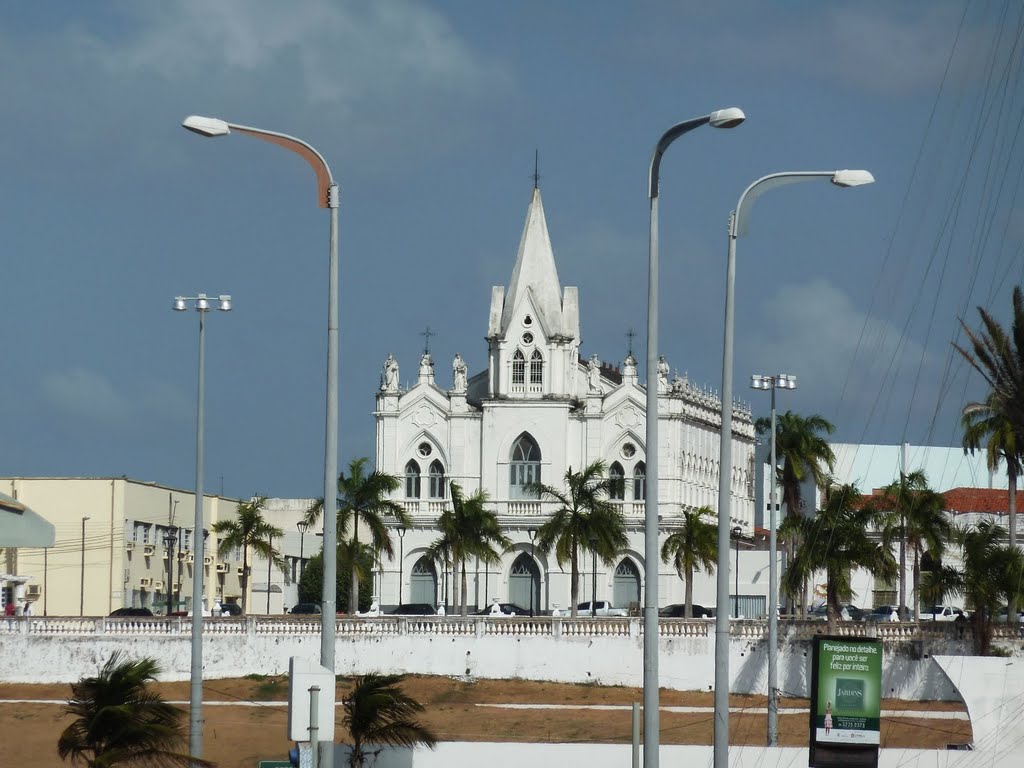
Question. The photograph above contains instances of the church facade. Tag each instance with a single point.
(537, 410)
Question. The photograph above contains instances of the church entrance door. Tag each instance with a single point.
(423, 583)
(524, 578)
(627, 584)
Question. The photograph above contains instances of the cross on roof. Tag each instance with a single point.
(426, 335)
(630, 335)
(536, 169)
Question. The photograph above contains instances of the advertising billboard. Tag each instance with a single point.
(846, 701)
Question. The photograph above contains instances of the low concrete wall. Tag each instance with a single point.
(601, 651)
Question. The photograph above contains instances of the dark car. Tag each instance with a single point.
(884, 613)
(852, 611)
(509, 609)
(414, 609)
(678, 611)
(301, 609)
(132, 612)
(234, 609)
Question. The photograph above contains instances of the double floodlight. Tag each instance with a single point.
(202, 303)
(781, 381)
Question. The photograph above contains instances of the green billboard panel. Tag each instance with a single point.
(847, 701)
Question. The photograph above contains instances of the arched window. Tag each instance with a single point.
(518, 369)
(525, 467)
(536, 371)
(436, 480)
(640, 481)
(618, 478)
(412, 480)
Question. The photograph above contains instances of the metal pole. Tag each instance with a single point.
(736, 615)
(401, 562)
(636, 735)
(773, 600)
(270, 563)
(533, 565)
(721, 727)
(593, 588)
(302, 544)
(169, 542)
(46, 573)
(81, 600)
(195, 712)
(314, 722)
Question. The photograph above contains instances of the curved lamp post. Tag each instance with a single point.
(201, 304)
(722, 118)
(737, 227)
(327, 197)
(771, 383)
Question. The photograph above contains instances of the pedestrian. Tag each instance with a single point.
(28, 609)
(828, 717)
(9, 609)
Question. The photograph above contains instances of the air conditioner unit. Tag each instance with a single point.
(129, 545)
(148, 549)
(159, 585)
(222, 567)
(166, 554)
(189, 558)
(207, 560)
(241, 570)
(34, 590)
(145, 582)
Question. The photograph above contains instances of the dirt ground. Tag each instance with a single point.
(248, 731)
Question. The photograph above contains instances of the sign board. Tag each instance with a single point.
(846, 702)
(303, 675)
(275, 764)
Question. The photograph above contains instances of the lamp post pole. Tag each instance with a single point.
(593, 577)
(401, 561)
(195, 712)
(302, 527)
(169, 540)
(327, 197)
(81, 599)
(736, 531)
(737, 227)
(723, 118)
(532, 532)
(270, 573)
(783, 381)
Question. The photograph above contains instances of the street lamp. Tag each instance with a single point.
(593, 576)
(327, 197)
(81, 600)
(722, 118)
(170, 537)
(401, 560)
(736, 531)
(771, 383)
(737, 227)
(532, 533)
(302, 526)
(195, 717)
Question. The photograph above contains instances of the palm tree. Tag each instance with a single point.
(378, 712)
(249, 530)
(997, 422)
(837, 540)
(362, 495)
(693, 547)
(468, 529)
(120, 721)
(922, 525)
(801, 447)
(584, 515)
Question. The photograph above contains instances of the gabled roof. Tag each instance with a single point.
(535, 272)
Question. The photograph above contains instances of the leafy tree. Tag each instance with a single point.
(249, 530)
(119, 720)
(311, 583)
(801, 447)
(378, 712)
(997, 422)
(468, 529)
(837, 540)
(584, 514)
(921, 524)
(362, 495)
(693, 547)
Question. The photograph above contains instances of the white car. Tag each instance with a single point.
(601, 608)
(942, 613)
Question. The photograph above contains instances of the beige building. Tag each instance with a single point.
(112, 547)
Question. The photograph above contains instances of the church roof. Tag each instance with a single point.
(535, 274)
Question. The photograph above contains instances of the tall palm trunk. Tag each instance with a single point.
(353, 592)
(1011, 612)
(917, 585)
(465, 590)
(689, 593)
(574, 591)
(245, 582)
(903, 566)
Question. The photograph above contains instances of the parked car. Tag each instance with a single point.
(884, 613)
(233, 609)
(302, 609)
(850, 612)
(508, 609)
(414, 609)
(602, 608)
(943, 613)
(1003, 614)
(131, 612)
(678, 611)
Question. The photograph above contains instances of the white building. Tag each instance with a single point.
(538, 409)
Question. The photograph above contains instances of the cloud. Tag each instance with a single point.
(89, 397)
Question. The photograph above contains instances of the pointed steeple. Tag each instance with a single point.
(535, 272)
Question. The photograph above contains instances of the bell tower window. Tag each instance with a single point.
(436, 480)
(412, 480)
(518, 371)
(524, 468)
(536, 372)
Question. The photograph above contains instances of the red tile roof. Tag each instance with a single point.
(991, 500)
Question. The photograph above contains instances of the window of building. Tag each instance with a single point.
(186, 539)
(437, 482)
(412, 480)
(525, 467)
(536, 371)
(518, 368)
(640, 481)
(617, 492)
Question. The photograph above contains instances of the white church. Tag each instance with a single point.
(538, 409)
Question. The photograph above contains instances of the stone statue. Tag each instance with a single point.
(427, 365)
(662, 374)
(630, 367)
(459, 373)
(594, 373)
(389, 378)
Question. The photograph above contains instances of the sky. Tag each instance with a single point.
(430, 115)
